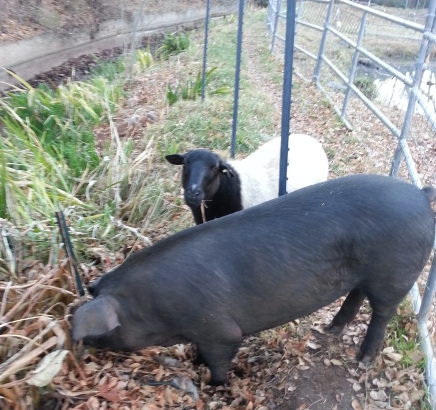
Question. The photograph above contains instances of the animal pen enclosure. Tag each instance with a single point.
(379, 63)
(274, 364)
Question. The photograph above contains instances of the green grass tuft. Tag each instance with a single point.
(402, 334)
(367, 86)
(173, 44)
(192, 89)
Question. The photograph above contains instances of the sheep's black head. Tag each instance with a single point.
(202, 170)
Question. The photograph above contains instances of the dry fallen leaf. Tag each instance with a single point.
(356, 405)
(48, 368)
(357, 387)
(396, 357)
(110, 393)
(313, 345)
(379, 395)
(292, 387)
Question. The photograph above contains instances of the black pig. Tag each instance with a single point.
(365, 235)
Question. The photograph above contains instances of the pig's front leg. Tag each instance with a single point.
(198, 359)
(218, 358)
(348, 311)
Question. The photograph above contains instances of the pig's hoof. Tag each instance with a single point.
(217, 382)
(238, 372)
(365, 357)
(198, 360)
(334, 328)
(364, 360)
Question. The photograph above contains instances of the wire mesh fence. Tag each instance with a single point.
(376, 60)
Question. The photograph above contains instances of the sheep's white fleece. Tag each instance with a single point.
(259, 172)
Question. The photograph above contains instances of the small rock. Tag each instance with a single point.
(168, 361)
(185, 383)
(151, 116)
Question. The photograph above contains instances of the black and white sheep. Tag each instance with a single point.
(227, 187)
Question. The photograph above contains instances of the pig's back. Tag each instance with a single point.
(288, 257)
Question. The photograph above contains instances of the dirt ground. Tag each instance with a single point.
(297, 366)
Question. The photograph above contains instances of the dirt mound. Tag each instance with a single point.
(80, 67)
(21, 19)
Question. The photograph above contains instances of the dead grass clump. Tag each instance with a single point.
(33, 324)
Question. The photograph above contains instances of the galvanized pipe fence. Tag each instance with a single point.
(239, 40)
(206, 41)
(356, 54)
(286, 95)
(237, 76)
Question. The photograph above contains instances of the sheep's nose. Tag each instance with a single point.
(194, 191)
(193, 195)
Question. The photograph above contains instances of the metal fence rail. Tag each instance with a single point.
(385, 62)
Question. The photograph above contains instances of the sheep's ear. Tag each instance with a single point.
(95, 318)
(224, 168)
(175, 159)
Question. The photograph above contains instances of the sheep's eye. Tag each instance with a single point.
(213, 167)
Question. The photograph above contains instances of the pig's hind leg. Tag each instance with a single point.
(218, 358)
(373, 342)
(347, 312)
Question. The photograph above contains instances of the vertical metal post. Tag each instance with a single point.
(237, 76)
(287, 94)
(354, 62)
(429, 292)
(430, 364)
(138, 19)
(429, 27)
(424, 310)
(317, 70)
(206, 36)
(276, 21)
(63, 228)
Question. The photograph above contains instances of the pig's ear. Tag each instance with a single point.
(92, 288)
(95, 318)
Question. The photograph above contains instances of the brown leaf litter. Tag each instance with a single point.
(279, 368)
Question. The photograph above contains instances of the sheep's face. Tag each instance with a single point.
(202, 170)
